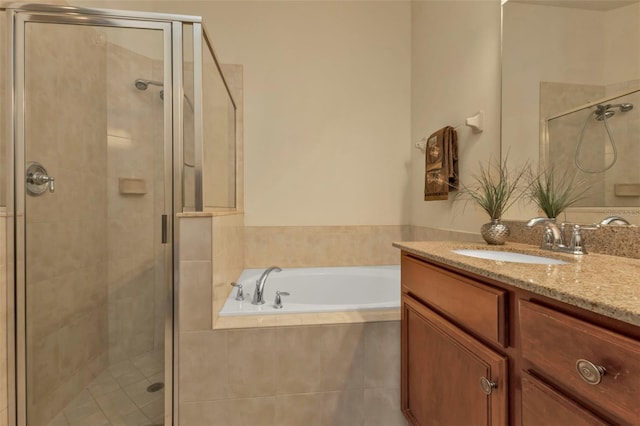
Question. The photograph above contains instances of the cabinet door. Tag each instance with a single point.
(541, 405)
(442, 373)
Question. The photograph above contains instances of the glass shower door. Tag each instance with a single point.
(96, 282)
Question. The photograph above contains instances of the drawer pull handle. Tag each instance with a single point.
(589, 372)
(487, 385)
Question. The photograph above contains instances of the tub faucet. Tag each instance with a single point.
(258, 295)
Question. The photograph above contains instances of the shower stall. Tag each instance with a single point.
(106, 145)
(596, 140)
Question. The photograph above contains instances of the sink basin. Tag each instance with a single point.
(508, 256)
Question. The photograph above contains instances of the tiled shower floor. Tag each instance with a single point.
(119, 396)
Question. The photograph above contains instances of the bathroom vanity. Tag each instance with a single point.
(488, 342)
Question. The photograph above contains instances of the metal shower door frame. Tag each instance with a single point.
(171, 26)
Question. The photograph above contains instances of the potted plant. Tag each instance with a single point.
(495, 189)
(554, 191)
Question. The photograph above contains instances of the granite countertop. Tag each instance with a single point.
(608, 285)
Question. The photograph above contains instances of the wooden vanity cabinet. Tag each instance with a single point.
(448, 376)
(595, 366)
(458, 327)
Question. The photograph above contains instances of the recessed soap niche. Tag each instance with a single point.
(132, 186)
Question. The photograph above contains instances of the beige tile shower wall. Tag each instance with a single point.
(3, 318)
(322, 375)
(66, 230)
(308, 246)
(135, 151)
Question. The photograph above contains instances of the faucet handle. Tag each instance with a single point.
(240, 292)
(278, 302)
(577, 244)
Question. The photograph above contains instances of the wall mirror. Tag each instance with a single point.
(571, 98)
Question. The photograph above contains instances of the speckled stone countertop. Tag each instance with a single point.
(608, 285)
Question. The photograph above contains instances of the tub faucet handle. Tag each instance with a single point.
(278, 302)
(240, 292)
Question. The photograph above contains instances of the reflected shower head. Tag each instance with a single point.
(626, 107)
(142, 84)
(603, 112)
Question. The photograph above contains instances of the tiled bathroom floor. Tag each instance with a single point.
(119, 396)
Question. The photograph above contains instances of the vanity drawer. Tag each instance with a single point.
(542, 405)
(473, 305)
(554, 342)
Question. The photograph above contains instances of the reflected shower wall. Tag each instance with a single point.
(596, 152)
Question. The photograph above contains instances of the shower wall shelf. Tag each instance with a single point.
(476, 122)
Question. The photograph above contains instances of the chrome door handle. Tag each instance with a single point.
(38, 180)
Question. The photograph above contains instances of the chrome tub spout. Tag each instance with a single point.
(258, 294)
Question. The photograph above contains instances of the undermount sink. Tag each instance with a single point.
(508, 256)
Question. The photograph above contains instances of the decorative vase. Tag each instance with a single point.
(495, 232)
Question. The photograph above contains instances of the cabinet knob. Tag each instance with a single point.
(589, 372)
(487, 385)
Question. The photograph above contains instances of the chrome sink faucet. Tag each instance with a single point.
(554, 239)
(258, 295)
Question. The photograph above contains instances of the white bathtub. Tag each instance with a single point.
(319, 290)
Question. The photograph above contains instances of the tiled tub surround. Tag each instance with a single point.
(603, 284)
(345, 374)
(311, 246)
(267, 374)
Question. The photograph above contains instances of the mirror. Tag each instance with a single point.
(570, 81)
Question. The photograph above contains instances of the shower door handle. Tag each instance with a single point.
(164, 229)
(38, 180)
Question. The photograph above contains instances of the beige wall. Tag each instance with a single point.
(327, 105)
(455, 64)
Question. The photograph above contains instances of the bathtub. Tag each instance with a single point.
(319, 290)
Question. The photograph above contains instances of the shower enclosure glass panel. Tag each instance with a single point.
(190, 161)
(219, 137)
(97, 274)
